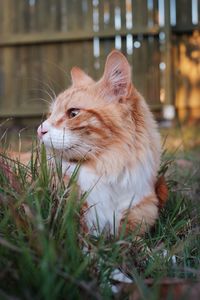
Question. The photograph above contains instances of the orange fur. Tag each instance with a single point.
(141, 217)
(113, 133)
(161, 190)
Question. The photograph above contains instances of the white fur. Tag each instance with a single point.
(108, 196)
(58, 138)
(117, 275)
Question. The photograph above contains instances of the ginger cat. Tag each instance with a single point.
(108, 127)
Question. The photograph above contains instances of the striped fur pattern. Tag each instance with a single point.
(108, 127)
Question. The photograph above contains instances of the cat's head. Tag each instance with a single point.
(91, 118)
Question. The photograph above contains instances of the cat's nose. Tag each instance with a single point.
(42, 129)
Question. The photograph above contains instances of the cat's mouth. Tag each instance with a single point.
(74, 160)
(80, 159)
(69, 154)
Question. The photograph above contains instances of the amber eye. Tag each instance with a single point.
(73, 112)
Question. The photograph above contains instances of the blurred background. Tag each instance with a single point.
(41, 40)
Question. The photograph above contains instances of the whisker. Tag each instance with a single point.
(43, 83)
(4, 122)
(40, 99)
(45, 91)
(4, 134)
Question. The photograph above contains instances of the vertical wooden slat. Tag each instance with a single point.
(7, 58)
(8, 65)
(175, 69)
(153, 60)
(68, 63)
(136, 67)
(78, 54)
(15, 9)
(139, 13)
(88, 58)
(101, 59)
(101, 15)
(81, 9)
(156, 65)
(143, 65)
(26, 16)
(50, 58)
(32, 83)
(123, 45)
(88, 18)
(33, 16)
(183, 19)
(18, 87)
(60, 69)
(187, 83)
(1, 17)
(112, 14)
(150, 6)
(58, 15)
(43, 15)
(123, 14)
(97, 58)
(168, 64)
(20, 83)
(23, 16)
(150, 82)
(71, 15)
(8, 17)
(63, 15)
(155, 12)
(52, 16)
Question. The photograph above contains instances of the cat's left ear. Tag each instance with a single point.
(117, 75)
(79, 77)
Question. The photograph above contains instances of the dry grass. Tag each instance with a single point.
(41, 240)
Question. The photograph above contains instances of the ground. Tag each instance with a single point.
(41, 240)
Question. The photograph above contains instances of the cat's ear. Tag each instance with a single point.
(79, 77)
(117, 74)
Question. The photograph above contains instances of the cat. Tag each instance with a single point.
(107, 127)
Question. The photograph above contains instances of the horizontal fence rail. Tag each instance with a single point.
(41, 40)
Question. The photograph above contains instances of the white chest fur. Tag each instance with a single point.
(109, 196)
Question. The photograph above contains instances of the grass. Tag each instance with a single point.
(44, 254)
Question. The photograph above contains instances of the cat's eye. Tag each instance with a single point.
(73, 112)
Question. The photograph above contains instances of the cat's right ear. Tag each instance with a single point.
(79, 77)
(117, 76)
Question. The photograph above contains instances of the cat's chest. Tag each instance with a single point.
(109, 196)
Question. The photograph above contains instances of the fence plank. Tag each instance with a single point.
(139, 6)
(8, 18)
(184, 19)
(41, 38)
(8, 77)
(153, 72)
(122, 5)
(155, 12)
(42, 13)
(167, 55)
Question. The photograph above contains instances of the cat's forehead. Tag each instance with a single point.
(76, 97)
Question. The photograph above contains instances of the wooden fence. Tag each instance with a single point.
(41, 40)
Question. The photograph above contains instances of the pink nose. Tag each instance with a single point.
(42, 130)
